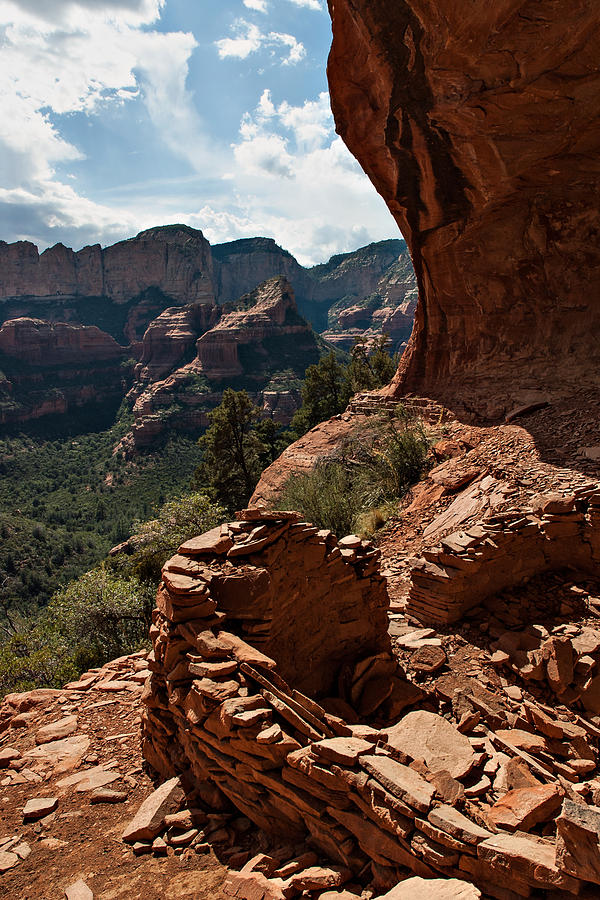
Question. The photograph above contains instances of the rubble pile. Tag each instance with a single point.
(504, 550)
(500, 793)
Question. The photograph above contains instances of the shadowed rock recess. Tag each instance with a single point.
(480, 131)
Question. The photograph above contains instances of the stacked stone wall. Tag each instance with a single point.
(503, 551)
(220, 714)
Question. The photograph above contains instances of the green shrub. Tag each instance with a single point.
(391, 459)
(96, 618)
(358, 490)
(325, 496)
(156, 540)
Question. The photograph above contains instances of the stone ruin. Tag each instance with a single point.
(274, 689)
(505, 550)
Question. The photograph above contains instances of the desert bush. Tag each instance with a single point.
(325, 496)
(358, 490)
(156, 540)
(94, 619)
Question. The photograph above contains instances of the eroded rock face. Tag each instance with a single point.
(176, 259)
(481, 133)
(51, 367)
(271, 326)
(370, 308)
(48, 344)
(171, 336)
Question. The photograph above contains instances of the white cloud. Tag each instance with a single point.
(287, 175)
(55, 63)
(71, 13)
(248, 38)
(294, 180)
(258, 5)
(297, 49)
(309, 4)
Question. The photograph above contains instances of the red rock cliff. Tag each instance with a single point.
(174, 258)
(479, 128)
(47, 344)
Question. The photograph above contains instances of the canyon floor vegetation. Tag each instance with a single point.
(66, 605)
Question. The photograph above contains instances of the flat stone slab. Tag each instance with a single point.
(450, 820)
(526, 858)
(56, 731)
(432, 889)
(7, 755)
(148, 820)
(38, 808)
(90, 779)
(425, 735)
(399, 780)
(63, 755)
(8, 860)
(107, 795)
(211, 542)
(345, 751)
(521, 809)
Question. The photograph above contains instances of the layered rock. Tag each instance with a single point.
(262, 339)
(175, 259)
(49, 344)
(50, 367)
(503, 551)
(389, 308)
(159, 292)
(171, 337)
(240, 266)
(271, 326)
(251, 694)
(324, 291)
(480, 131)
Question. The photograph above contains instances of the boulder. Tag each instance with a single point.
(578, 841)
(149, 818)
(425, 735)
(79, 891)
(56, 731)
(38, 808)
(558, 654)
(521, 809)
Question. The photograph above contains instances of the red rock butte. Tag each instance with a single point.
(480, 130)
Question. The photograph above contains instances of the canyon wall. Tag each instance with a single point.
(481, 133)
(176, 259)
(260, 343)
(49, 368)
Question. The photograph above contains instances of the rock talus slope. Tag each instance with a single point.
(481, 133)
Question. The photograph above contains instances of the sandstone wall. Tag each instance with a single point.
(48, 344)
(171, 337)
(480, 131)
(175, 259)
(221, 711)
(272, 314)
(506, 550)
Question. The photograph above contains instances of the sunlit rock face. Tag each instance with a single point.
(173, 258)
(479, 127)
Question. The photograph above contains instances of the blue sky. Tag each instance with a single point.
(117, 115)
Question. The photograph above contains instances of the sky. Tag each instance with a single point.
(118, 115)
